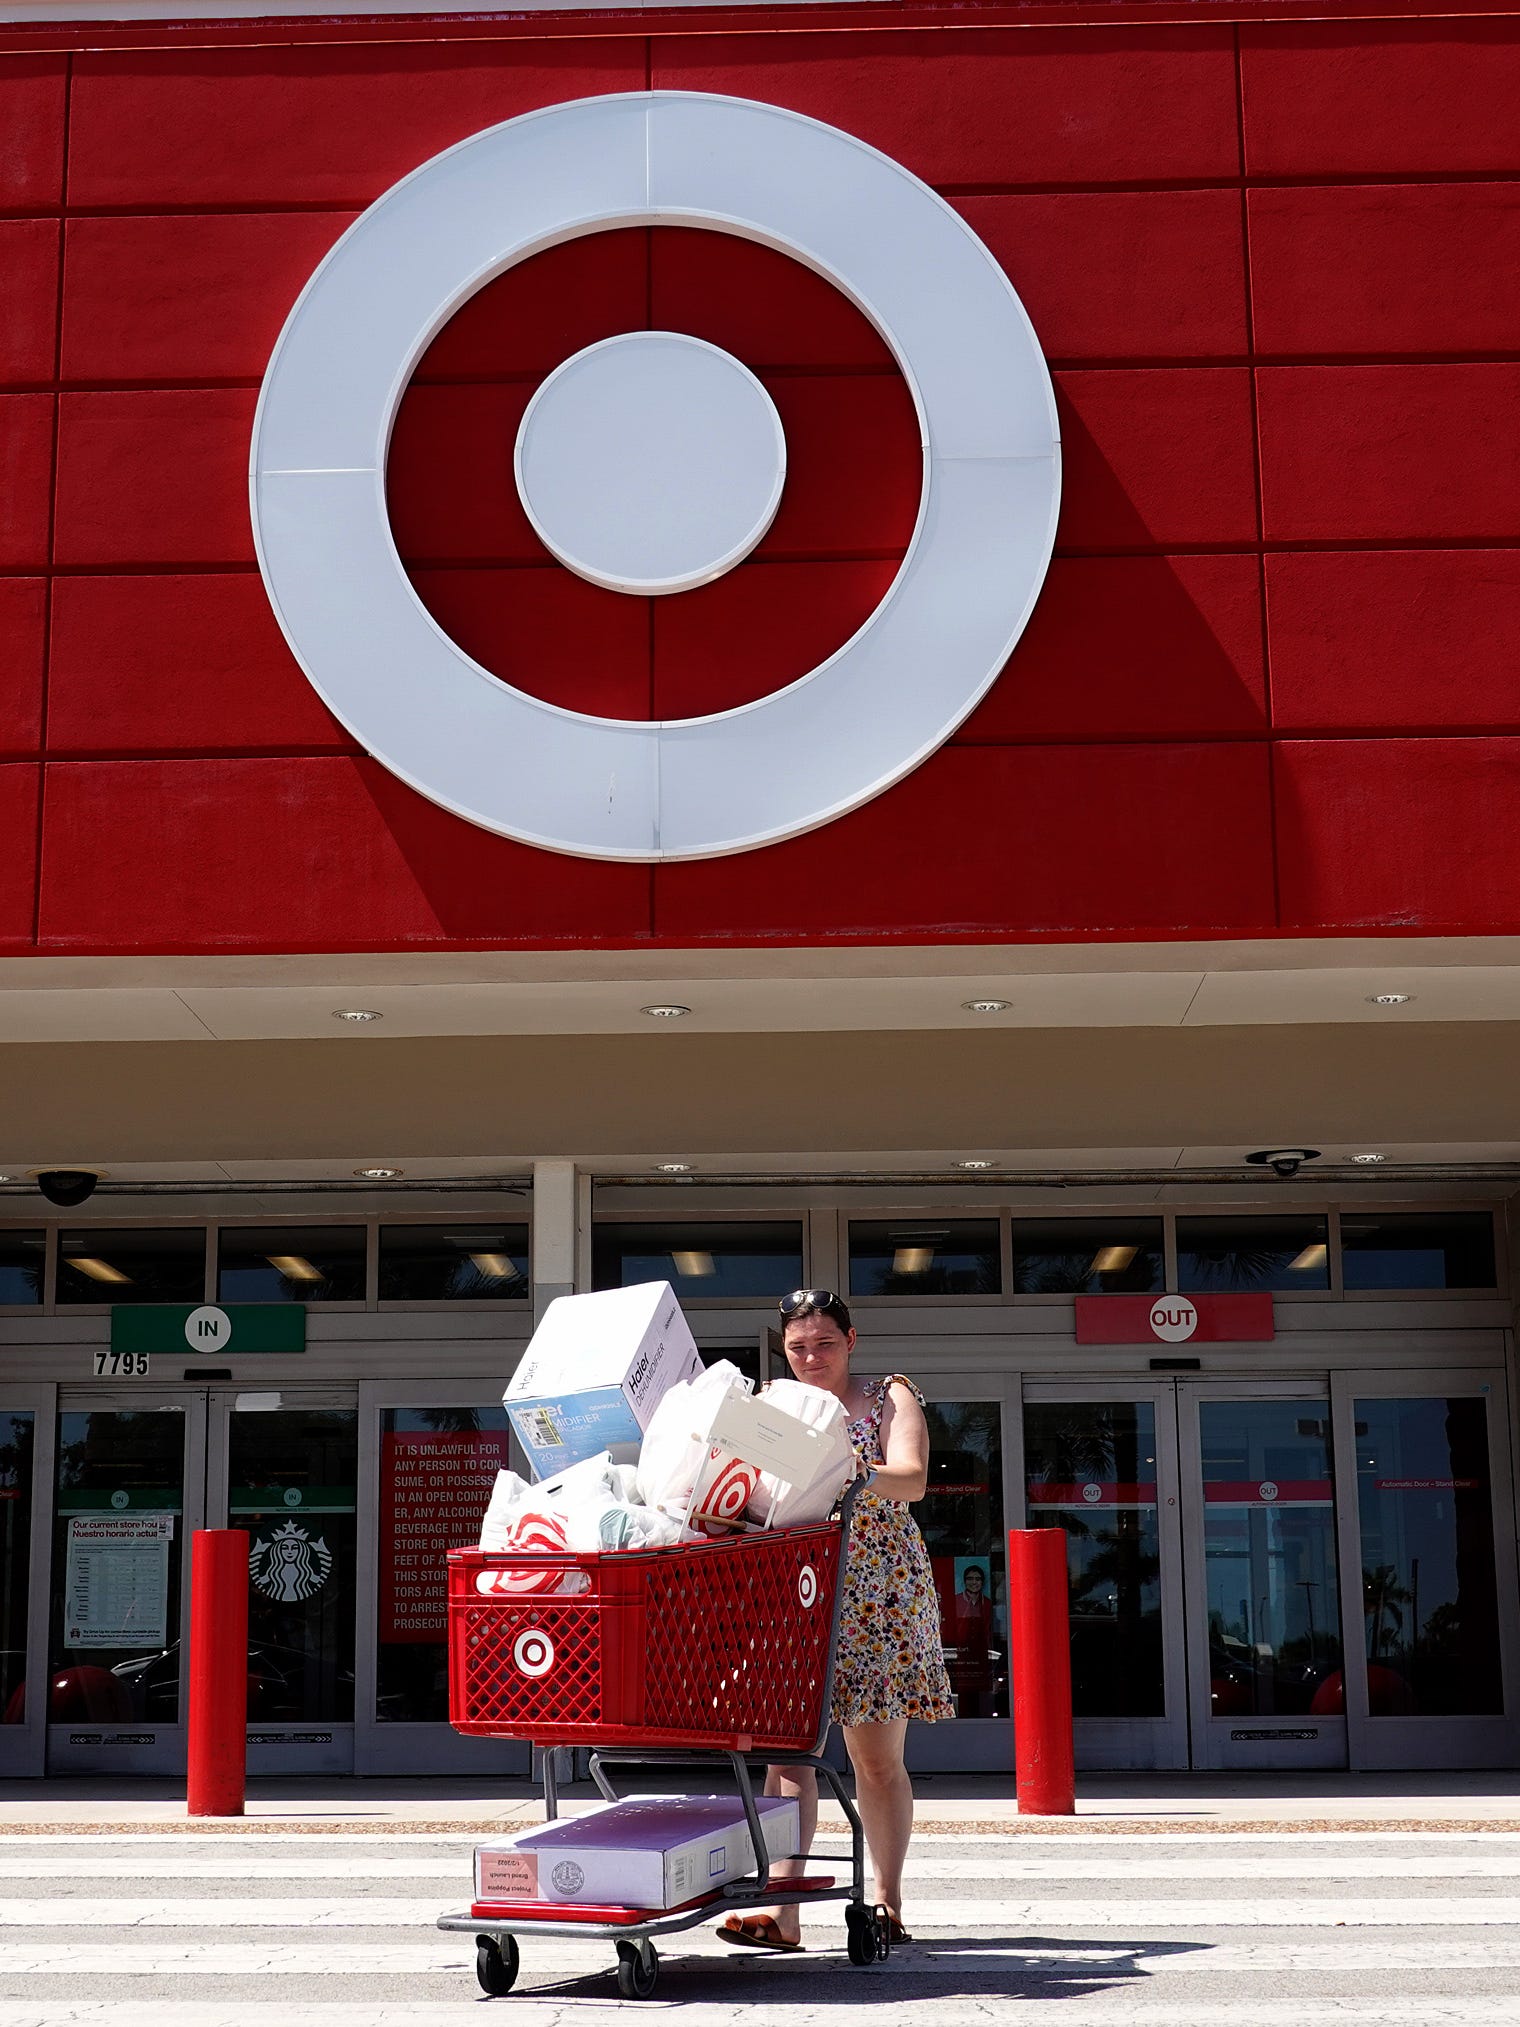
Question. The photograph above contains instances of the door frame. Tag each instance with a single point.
(1326, 1749)
(980, 1744)
(430, 1748)
(1130, 1744)
(146, 1749)
(1386, 1743)
(23, 1747)
(321, 1747)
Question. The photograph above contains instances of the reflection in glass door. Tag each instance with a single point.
(292, 1476)
(429, 1456)
(961, 1520)
(1263, 1592)
(1435, 1522)
(123, 1508)
(1101, 1465)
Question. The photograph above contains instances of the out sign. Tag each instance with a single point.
(1174, 1319)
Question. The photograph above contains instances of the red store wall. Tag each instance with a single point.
(1273, 685)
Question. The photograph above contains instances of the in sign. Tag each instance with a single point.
(1174, 1319)
(207, 1329)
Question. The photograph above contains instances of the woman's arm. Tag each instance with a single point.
(904, 1445)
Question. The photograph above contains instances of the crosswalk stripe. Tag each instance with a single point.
(440, 1954)
(1119, 1868)
(1432, 2011)
(1005, 1917)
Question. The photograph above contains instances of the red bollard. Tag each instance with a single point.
(1040, 1639)
(218, 1731)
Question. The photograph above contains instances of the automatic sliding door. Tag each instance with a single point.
(1100, 1464)
(124, 1508)
(1264, 1608)
(961, 1518)
(1432, 1535)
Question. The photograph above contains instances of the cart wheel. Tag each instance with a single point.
(496, 1962)
(638, 1970)
(867, 1937)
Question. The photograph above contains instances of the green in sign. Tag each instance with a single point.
(236, 1328)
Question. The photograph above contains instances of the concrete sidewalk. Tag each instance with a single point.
(1153, 1804)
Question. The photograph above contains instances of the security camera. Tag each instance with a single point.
(67, 1186)
(1283, 1161)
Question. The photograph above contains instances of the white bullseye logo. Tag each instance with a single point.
(807, 1584)
(651, 464)
(533, 1652)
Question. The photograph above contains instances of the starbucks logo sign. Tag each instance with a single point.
(289, 1566)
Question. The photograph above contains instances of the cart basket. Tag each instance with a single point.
(726, 1645)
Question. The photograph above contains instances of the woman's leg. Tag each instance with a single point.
(799, 1784)
(884, 1797)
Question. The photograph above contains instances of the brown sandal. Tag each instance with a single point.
(755, 1932)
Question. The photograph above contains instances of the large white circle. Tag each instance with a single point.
(650, 463)
(693, 787)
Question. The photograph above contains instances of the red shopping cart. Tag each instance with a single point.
(684, 1656)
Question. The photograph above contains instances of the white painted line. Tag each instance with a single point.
(442, 1955)
(1122, 1869)
(1011, 1918)
(1435, 2010)
(829, 1837)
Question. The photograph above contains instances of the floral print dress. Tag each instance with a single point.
(890, 1663)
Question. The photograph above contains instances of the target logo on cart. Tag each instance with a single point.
(533, 1652)
(651, 464)
(807, 1584)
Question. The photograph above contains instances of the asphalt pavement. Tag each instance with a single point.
(324, 1928)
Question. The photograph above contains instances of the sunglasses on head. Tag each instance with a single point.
(807, 1298)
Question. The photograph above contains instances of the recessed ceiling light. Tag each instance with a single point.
(1369, 1157)
(7, 1178)
(356, 1013)
(973, 1164)
(379, 1174)
(1389, 998)
(665, 1013)
(672, 1168)
(986, 1005)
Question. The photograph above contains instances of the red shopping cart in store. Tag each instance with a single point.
(703, 1654)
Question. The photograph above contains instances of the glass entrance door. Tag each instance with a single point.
(1262, 1603)
(429, 1457)
(137, 1470)
(285, 1466)
(1431, 1679)
(128, 1489)
(1100, 1463)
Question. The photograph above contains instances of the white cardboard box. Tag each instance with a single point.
(593, 1372)
(654, 1851)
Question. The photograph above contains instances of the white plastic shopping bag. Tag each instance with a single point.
(832, 1465)
(676, 1442)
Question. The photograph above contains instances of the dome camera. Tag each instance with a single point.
(67, 1187)
(1283, 1161)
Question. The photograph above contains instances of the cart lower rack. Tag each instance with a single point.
(700, 1656)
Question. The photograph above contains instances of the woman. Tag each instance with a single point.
(889, 1665)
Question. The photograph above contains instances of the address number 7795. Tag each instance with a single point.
(121, 1365)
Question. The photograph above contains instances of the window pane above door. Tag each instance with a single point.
(736, 1262)
(1087, 1256)
(1281, 1255)
(1436, 1249)
(925, 1258)
(287, 1263)
(132, 1265)
(453, 1263)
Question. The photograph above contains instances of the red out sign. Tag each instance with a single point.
(1174, 1319)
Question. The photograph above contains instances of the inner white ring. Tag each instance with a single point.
(650, 462)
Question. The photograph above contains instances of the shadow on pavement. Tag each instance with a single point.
(978, 1967)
